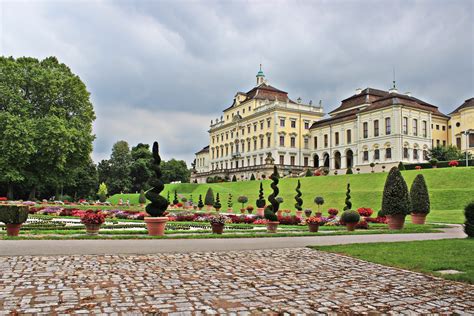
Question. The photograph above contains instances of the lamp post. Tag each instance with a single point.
(467, 133)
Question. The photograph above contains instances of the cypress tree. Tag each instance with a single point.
(252, 177)
(401, 166)
(175, 201)
(234, 178)
(420, 199)
(396, 199)
(217, 204)
(229, 201)
(209, 199)
(200, 204)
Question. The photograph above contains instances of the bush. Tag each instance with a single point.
(319, 200)
(229, 201)
(469, 215)
(200, 204)
(401, 166)
(217, 203)
(234, 178)
(298, 199)
(175, 200)
(13, 214)
(102, 193)
(209, 199)
(350, 216)
(420, 199)
(349, 171)
(308, 173)
(252, 177)
(261, 200)
(272, 209)
(347, 201)
(242, 199)
(142, 198)
(395, 199)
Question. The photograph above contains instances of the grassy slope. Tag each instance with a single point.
(423, 256)
(450, 189)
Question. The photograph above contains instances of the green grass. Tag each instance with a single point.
(450, 189)
(425, 256)
(446, 216)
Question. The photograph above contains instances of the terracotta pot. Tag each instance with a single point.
(13, 229)
(350, 226)
(217, 209)
(395, 221)
(307, 213)
(313, 228)
(242, 210)
(156, 225)
(299, 213)
(217, 228)
(229, 210)
(272, 227)
(92, 229)
(418, 218)
(249, 211)
(319, 214)
(279, 212)
(260, 212)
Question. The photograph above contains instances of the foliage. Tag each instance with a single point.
(401, 166)
(93, 218)
(159, 204)
(175, 170)
(469, 223)
(348, 198)
(261, 200)
(299, 200)
(349, 171)
(175, 199)
(120, 161)
(200, 204)
(218, 220)
(234, 178)
(395, 199)
(272, 209)
(140, 168)
(142, 198)
(319, 200)
(420, 199)
(217, 204)
(209, 199)
(13, 214)
(446, 153)
(252, 177)
(102, 193)
(350, 216)
(308, 173)
(229, 201)
(242, 199)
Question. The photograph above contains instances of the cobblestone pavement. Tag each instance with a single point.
(298, 280)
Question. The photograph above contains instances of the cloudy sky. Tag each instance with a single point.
(163, 69)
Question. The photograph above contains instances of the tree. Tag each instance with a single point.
(120, 163)
(299, 200)
(200, 204)
(234, 178)
(469, 223)
(45, 123)
(140, 168)
(142, 198)
(446, 153)
(84, 181)
(420, 199)
(175, 200)
(348, 198)
(272, 209)
(209, 199)
(319, 200)
(158, 204)
(242, 199)
(103, 170)
(229, 201)
(261, 200)
(175, 170)
(102, 193)
(401, 166)
(252, 177)
(217, 204)
(395, 199)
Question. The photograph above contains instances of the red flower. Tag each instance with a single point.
(3, 198)
(453, 163)
(333, 211)
(365, 211)
(418, 167)
(91, 217)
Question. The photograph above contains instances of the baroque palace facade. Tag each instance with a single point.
(264, 127)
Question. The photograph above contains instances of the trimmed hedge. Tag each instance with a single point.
(440, 164)
(13, 214)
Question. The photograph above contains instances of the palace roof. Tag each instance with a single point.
(204, 150)
(469, 103)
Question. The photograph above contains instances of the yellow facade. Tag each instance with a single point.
(461, 127)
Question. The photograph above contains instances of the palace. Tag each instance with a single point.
(264, 127)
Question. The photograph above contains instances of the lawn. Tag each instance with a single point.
(450, 190)
(425, 256)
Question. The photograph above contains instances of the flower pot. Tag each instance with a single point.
(299, 213)
(217, 228)
(92, 229)
(249, 211)
(350, 226)
(307, 213)
(13, 229)
(260, 212)
(319, 214)
(156, 225)
(313, 227)
(395, 221)
(279, 212)
(417, 218)
(272, 227)
(242, 210)
(217, 209)
(230, 210)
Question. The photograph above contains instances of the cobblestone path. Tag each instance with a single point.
(298, 280)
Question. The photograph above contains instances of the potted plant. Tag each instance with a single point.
(319, 200)
(372, 165)
(260, 202)
(358, 170)
(217, 224)
(175, 200)
(307, 212)
(250, 209)
(229, 204)
(383, 168)
(242, 199)
(313, 223)
(217, 203)
(350, 218)
(280, 201)
(13, 216)
(200, 204)
(333, 212)
(395, 199)
(272, 209)
(92, 220)
(299, 200)
(209, 199)
(434, 163)
(156, 222)
(142, 198)
(420, 200)
(469, 223)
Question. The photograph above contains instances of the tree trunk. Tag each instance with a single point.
(10, 191)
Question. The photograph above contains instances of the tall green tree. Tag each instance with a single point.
(140, 168)
(175, 170)
(120, 166)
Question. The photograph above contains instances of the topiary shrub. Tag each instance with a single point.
(252, 177)
(142, 198)
(229, 201)
(175, 200)
(308, 173)
(217, 203)
(102, 193)
(200, 204)
(401, 166)
(209, 199)
(299, 200)
(242, 199)
(469, 224)
(395, 199)
(159, 204)
(349, 171)
(234, 178)
(319, 200)
(420, 199)
(13, 214)
(168, 197)
(350, 216)
(261, 200)
(348, 198)
(272, 209)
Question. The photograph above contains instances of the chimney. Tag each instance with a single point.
(358, 91)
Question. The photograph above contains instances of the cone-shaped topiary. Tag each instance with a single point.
(350, 216)
(261, 200)
(234, 178)
(229, 201)
(349, 171)
(272, 209)
(102, 193)
(175, 200)
(200, 204)
(395, 199)
(209, 199)
(420, 199)
(299, 200)
(252, 177)
(469, 224)
(159, 204)
(142, 198)
(401, 166)
(348, 198)
(217, 204)
(308, 173)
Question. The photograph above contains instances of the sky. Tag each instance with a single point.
(161, 70)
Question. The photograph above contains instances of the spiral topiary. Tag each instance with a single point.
(200, 204)
(229, 201)
(261, 201)
(299, 200)
(175, 201)
(217, 204)
(159, 204)
(348, 198)
(272, 209)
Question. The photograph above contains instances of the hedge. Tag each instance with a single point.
(440, 164)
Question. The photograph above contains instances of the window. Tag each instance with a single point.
(424, 129)
(306, 125)
(415, 127)
(444, 143)
(405, 125)
(376, 128)
(243, 131)
(388, 153)
(292, 160)
(236, 164)
(255, 161)
(325, 141)
(282, 140)
(306, 143)
(471, 140)
(226, 136)
(315, 139)
(405, 153)
(282, 122)
(293, 142)
(458, 142)
(336, 138)
(227, 151)
(305, 161)
(261, 160)
(437, 127)
(254, 144)
(376, 154)
(415, 154)
(269, 123)
(248, 146)
(388, 126)
(443, 127)
(261, 142)
(293, 124)
(222, 137)
(269, 141)
(437, 142)
(282, 160)
(248, 129)
(348, 136)
(366, 129)
(248, 161)
(255, 127)
(366, 155)
(237, 148)
(425, 155)
(261, 125)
